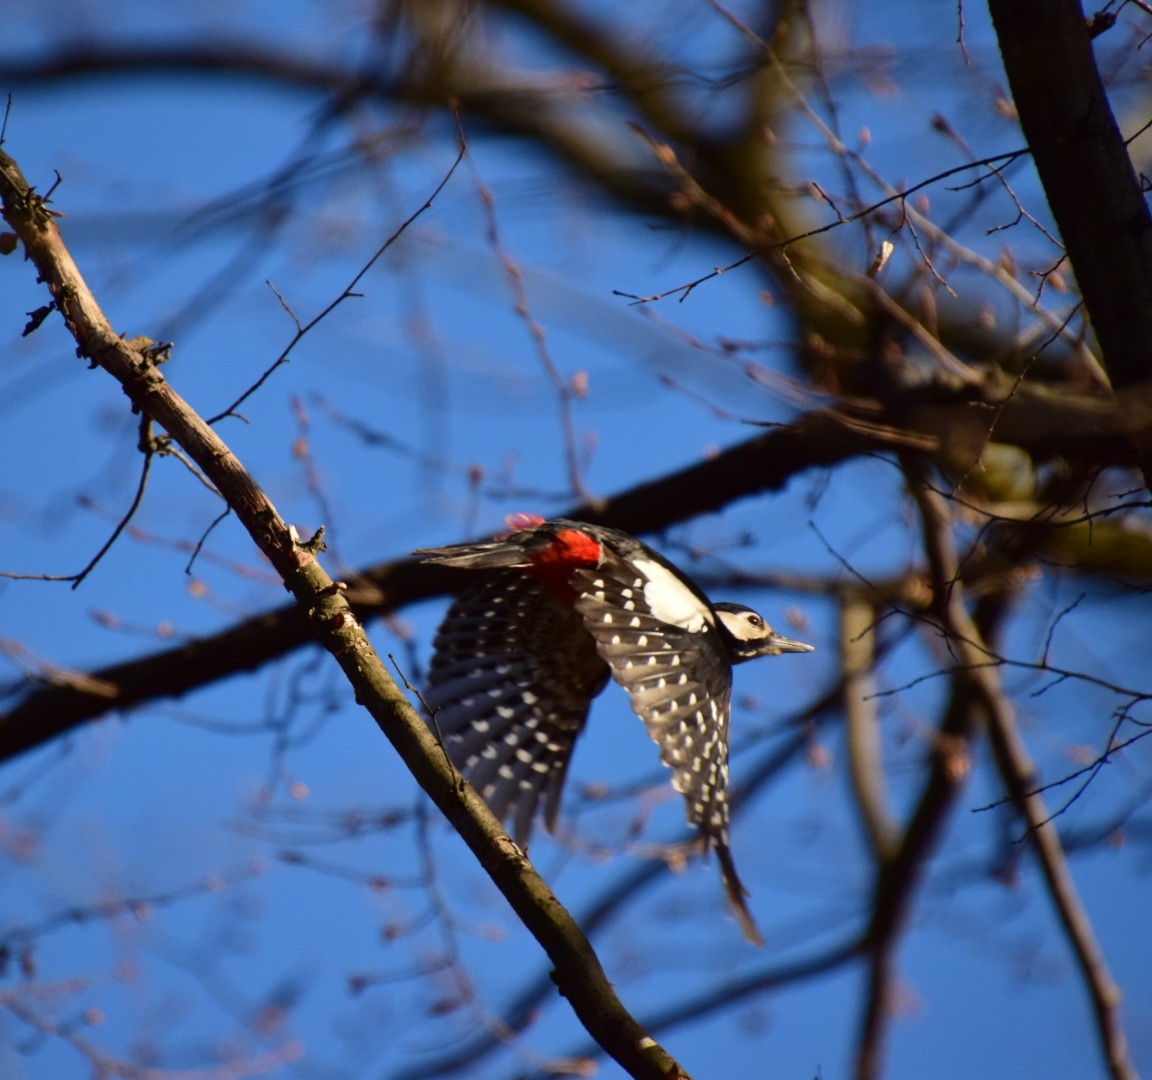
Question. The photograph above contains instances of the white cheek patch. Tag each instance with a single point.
(670, 600)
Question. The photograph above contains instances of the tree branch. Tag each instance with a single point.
(983, 683)
(1092, 188)
(1045, 422)
(901, 868)
(579, 976)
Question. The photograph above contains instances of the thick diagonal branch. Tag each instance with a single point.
(579, 975)
(1091, 184)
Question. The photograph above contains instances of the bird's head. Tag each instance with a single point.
(749, 636)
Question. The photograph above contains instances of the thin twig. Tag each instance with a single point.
(348, 292)
(565, 394)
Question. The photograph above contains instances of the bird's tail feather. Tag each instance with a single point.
(494, 555)
(737, 895)
(487, 555)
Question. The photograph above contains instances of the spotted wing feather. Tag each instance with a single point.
(679, 680)
(513, 675)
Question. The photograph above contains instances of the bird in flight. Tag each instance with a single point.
(558, 608)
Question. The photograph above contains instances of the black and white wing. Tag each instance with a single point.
(510, 684)
(660, 639)
(676, 673)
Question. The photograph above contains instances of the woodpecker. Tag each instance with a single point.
(560, 607)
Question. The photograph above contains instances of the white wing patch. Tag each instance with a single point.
(670, 600)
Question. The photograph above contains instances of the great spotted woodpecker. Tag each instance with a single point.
(562, 605)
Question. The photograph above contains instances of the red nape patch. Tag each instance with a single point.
(571, 549)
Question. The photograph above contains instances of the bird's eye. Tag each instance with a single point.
(755, 620)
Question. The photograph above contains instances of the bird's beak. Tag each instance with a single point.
(780, 643)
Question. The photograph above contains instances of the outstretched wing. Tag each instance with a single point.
(679, 678)
(513, 675)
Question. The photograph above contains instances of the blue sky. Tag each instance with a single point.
(274, 802)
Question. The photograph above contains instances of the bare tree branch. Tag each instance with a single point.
(1092, 187)
(1045, 421)
(899, 874)
(579, 975)
(982, 682)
